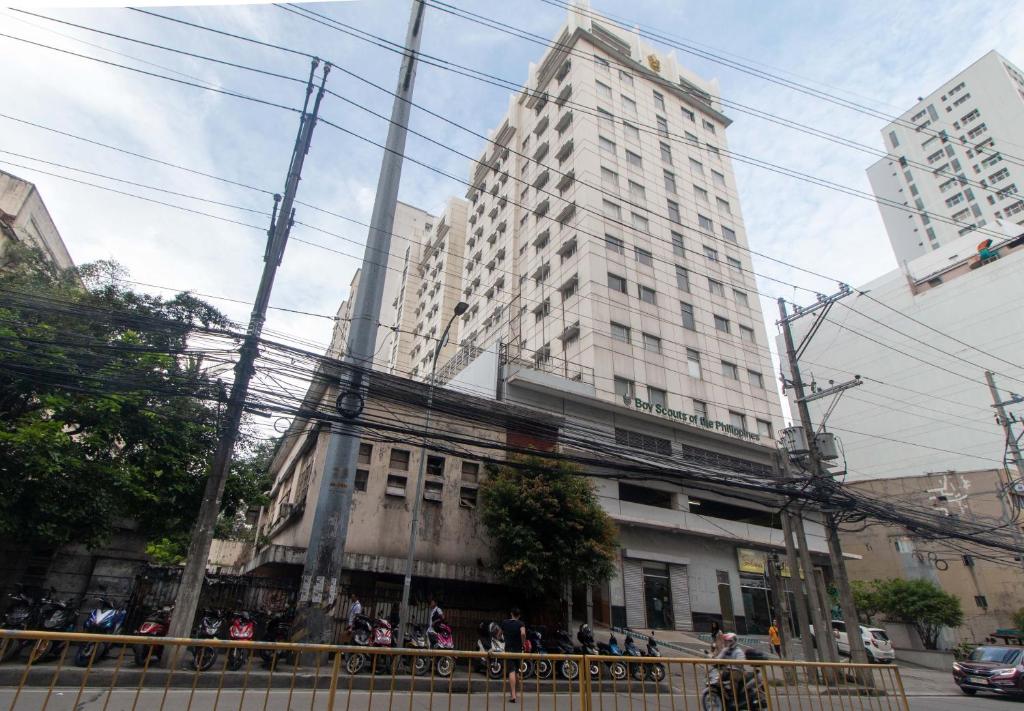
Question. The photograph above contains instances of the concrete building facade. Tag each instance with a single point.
(925, 404)
(25, 220)
(990, 592)
(951, 168)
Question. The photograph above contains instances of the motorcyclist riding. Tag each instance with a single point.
(732, 648)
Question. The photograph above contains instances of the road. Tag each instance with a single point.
(962, 703)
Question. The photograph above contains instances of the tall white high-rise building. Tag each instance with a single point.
(955, 160)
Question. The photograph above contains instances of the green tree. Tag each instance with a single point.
(920, 603)
(546, 526)
(105, 413)
(867, 599)
(1018, 620)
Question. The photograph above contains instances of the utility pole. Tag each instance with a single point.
(803, 602)
(190, 588)
(325, 555)
(1007, 421)
(817, 470)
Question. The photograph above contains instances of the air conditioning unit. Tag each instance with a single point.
(795, 441)
(825, 443)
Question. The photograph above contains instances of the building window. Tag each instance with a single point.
(689, 322)
(718, 179)
(365, 452)
(662, 125)
(627, 79)
(705, 223)
(607, 145)
(611, 210)
(730, 370)
(652, 343)
(634, 159)
(700, 409)
(716, 287)
(602, 63)
(981, 601)
(605, 119)
(647, 294)
(628, 106)
(741, 298)
(659, 101)
(644, 495)
(604, 91)
(636, 192)
(362, 479)
(722, 324)
(467, 497)
(711, 253)
(678, 248)
(708, 125)
(701, 194)
(764, 428)
(670, 183)
(689, 114)
(734, 263)
(615, 244)
(433, 490)
(435, 465)
(609, 178)
(616, 283)
(738, 420)
(682, 279)
(470, 473)
(723, 206)
(631, 132)
(396, 485)
(673, 212)
(693, 364)
(644, 257)
(620, 332)
(640, 222)
(666, 153)
(756, 379)
(624, 388)
(638, 440)
(696, 167)
(399, 460)
(747, 334)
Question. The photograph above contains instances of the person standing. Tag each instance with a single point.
(775, 639)
(436, 614)
(514, 632)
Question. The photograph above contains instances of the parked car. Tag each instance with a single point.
(876, 642)
(998, 669)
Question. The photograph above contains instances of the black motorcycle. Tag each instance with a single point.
(23, 614)
(561, 643)
(733, 688)
(278, 629)
(55, 616)
(589, 647)
(655, 670)
(542, 668)
(212, 625)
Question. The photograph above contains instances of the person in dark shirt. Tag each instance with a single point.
(514, 632)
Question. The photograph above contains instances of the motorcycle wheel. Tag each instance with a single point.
(142, 654)
(355, 662)
(361, 637)
(41, 650)
(710, 701)
(84, 654)
(203, 657)
(544, 669)
(569, 669)
(657, 672)
(595, 670)
(495, 668)
(237, 659)
(526, 668)
(11, 648)
(618, 671)
(420, 665)
(637, 672)
(445, 666)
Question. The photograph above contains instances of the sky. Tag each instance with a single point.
(877, 55)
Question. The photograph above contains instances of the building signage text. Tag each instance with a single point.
(695, 420)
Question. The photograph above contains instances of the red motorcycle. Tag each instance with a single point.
(242, 629)
(381, 636)
(156, 624)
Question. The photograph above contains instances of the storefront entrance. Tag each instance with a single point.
(658, 597)
(756, 606)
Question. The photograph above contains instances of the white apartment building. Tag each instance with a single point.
(606, 241)
(438, 278)
(954, 164)
(928, 408)
(24, 219)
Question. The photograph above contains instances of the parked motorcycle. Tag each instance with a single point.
(637, 670)
(362, 630)
(543, 668)
(156, 624)
(381, 636)
(278, 629)
(731, 688)
(417, 664)
(107, 618)
(561, 643)
(23, 614)
(588, 647)
(655, 670)
(441, 637)
(212, 625)
(490, 641)
(54, 616)
(242, 629)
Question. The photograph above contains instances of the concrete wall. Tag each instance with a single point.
(30, 220)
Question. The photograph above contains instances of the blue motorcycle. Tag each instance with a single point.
(107, 618)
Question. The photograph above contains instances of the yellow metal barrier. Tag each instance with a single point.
(80, 672)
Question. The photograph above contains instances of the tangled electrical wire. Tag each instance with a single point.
(302, 386)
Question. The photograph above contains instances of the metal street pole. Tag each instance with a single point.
(190, 588)
(417, 504)
(325, 554)
(1006, 420)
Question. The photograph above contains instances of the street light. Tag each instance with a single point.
(403, 614)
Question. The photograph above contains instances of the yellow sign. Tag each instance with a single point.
(751, 561)
(653, 62)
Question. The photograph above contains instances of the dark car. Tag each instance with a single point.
(999, 669)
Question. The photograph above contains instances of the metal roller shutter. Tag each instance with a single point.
(679, 579)
(633, 585)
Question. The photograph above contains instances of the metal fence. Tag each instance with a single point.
(122, 673)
